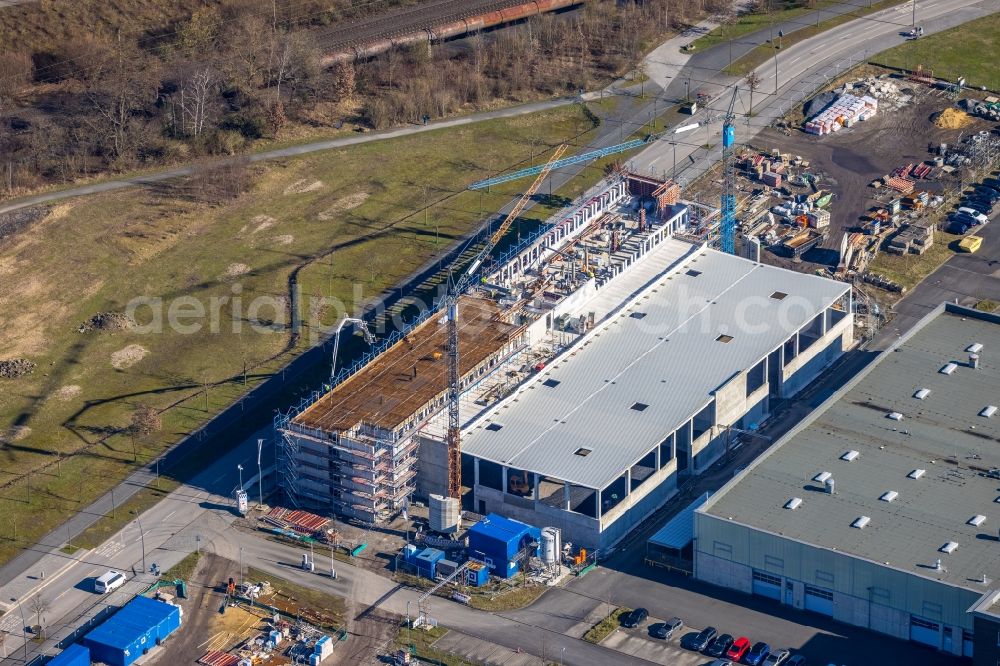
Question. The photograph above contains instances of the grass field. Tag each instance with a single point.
(761, 53)
(971, 50)
(345, 224)
(909, 269)
(744, 24)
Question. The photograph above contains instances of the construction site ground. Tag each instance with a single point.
(846, 162)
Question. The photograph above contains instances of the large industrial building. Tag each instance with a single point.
(882, 508)
(601, 361)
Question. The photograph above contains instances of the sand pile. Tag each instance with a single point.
(952, 118)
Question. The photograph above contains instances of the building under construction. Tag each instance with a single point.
(600, 301)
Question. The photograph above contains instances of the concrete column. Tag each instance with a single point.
(503, 479)
(536, 494)
(475, 467)
(827, 313)
(566, 496)
(657, 457)
(597, 493)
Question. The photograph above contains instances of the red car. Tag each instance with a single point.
(739, 648)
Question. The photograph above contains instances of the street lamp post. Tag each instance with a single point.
(24, 628)
(241, 567)
(240, 468)
(142, 540)
(260, 475)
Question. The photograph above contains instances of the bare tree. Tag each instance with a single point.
(39, 607)
(342, 81)
(753, 83)
(145, 421)
(15, 73)
(194, 100)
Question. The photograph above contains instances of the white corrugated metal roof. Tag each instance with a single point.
(669, 360)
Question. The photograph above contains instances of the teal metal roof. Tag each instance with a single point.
(679, 530)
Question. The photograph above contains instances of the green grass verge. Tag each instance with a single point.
(508, 600)
(124, 513)
(987, 305)
(603, 629)
(760, 54)
(971, 50)
(421, 640)
(754, 21)
(909, 269)
(184, 569)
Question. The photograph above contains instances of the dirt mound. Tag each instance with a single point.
(16, 367)
(15, 434)
(286, 239)
(128, 356)
(236, 270)
(952, 118)
(262, 222)
(345, 203)
(107, 321)
(303, 186)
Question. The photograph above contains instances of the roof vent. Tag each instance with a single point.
(949, 547)
(988, 411)
(974, 348)
(860, 522)
(895, 416)
(922, 393)
(793, 503)
(948, 369)
(916, 474)
(974, 361)
(830, 486)
(850, 456)
(889, 495)
(977, 520)
(822, 477)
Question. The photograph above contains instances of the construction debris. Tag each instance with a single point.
(107, 321)
(16, 367)
(844, 112)
(952, 118)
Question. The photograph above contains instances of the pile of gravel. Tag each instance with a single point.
(16, 367)
(107, 321)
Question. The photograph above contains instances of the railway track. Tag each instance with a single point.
(405, 21)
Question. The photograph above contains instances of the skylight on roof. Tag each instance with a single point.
(948, 369)
(551, 383)
(822, 477)
(916, 474)
(977, 520)
(988, 411)
(850, 456)
(895, 416)
(889, 495)
(638, 315)
(582, 452)
(974, 348)
(725, 339)
(793, 503)
(639, 406)
(922, 393)
(779, 295)
(949, 547)
(693, 273)
(860, 522)
(493, 427)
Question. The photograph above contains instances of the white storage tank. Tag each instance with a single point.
(445, 514)
(551, 544)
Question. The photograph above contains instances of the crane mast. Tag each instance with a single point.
(728, 224)
(455, 289)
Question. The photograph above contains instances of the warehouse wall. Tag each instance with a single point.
(865, 593)
(811, 362)
(432, 470)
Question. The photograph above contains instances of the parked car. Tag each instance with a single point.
(721, 662)
(634, 618)
(957, 228)
(719, 646)
(698, 642)
(109, 582)
(977, 205)
(739, 648)
(796, 660)
(987, 192)
(666, 630)
(777, 658)
(972, 212)
(964, 218)
(757, 654)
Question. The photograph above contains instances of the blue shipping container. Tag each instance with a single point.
(74, 655)
(500, 539)
(139, 626)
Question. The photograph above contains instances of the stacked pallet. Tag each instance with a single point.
(904, 185)
(844, 112)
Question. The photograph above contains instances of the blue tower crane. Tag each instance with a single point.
(728, 225)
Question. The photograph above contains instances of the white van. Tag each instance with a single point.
(109, 582)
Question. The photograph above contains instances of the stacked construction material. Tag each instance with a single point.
(844, 112)
(900, 184)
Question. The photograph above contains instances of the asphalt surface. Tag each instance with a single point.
(202, 508)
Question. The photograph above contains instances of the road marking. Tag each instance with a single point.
(166, 517)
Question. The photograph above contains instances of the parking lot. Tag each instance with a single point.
(638, 643)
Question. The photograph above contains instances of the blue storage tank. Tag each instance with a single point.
(74, 655)
(500, 539)
(140, 625)
(426, 562)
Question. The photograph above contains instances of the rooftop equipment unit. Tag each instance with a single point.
(829, 485)
(974, 361)
(860, 522)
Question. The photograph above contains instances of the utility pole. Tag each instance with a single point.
(241, 566)
(914, 22)
(24, 629)
(260, 475)
(142, 539)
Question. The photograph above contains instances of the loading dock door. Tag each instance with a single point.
(819, 600)
(925, 631)
(766, 585)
